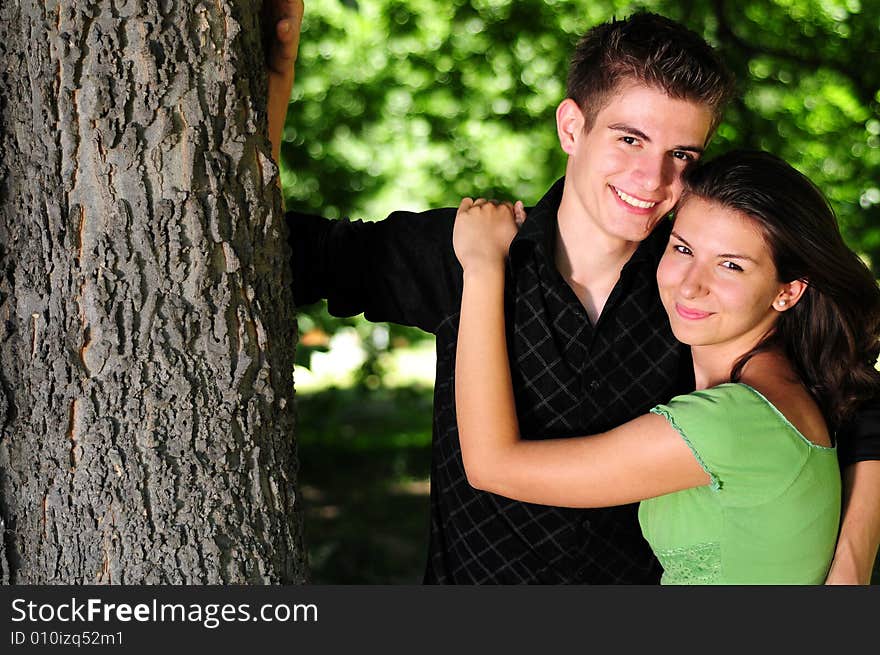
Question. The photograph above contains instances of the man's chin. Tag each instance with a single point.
(639, 234)
(638, 228)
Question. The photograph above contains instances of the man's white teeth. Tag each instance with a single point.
(635, 202)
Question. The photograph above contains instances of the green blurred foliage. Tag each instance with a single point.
(409, 104)
(364, 483)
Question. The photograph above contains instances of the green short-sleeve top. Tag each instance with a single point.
(770, 514)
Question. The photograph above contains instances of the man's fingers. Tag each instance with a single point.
(281, 9)
(287, 17)
(287, 40)
(285, 31)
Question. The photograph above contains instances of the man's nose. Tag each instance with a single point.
(653, 172)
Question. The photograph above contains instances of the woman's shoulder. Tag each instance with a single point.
(747, 410)
(720, 402)
(717, 417)
(786, 396)
(747, 445)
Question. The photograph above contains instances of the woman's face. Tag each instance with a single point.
(717, 279)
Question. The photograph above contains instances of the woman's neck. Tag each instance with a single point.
(712, 367)
(709, 369)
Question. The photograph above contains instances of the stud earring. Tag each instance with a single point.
(782, 302)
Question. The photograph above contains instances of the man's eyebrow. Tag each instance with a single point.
(629, 129)
(723, 255)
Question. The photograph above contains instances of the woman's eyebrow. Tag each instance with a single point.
(724, 255)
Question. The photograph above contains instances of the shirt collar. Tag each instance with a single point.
(539, 229)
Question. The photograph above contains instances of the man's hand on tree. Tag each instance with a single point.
(285, 19)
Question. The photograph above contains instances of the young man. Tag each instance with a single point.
(590, 344)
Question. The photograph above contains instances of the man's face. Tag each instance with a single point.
(624, 172)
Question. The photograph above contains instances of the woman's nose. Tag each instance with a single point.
(693, 283)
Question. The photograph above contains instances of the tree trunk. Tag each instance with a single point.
(146, 317)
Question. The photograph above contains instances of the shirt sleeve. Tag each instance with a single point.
(402, 269)
(858, 440)
(740, 440)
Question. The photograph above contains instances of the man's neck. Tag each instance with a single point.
(589, 260)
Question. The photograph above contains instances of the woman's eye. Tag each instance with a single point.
(683, 155)
(684, 250)
(731, 266)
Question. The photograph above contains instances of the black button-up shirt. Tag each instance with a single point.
(570, 378)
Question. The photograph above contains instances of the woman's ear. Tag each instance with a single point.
(789, 295)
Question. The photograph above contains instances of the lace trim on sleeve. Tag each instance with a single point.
(715, 483)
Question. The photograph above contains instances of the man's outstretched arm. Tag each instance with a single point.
(860, 527)
(401, 269)
(859, 450)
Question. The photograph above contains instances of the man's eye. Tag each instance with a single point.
(683, 155)
(630, 140)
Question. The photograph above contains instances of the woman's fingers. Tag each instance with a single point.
(519, 213)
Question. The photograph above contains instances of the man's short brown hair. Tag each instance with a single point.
(651, 50)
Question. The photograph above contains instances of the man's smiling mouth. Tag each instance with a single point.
(632, 200)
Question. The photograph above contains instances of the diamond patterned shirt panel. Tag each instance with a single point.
(570, 379)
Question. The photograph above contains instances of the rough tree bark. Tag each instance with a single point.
(146, 321)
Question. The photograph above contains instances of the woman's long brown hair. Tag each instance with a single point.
(832, 335)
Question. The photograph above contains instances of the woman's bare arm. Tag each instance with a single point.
(641, 459)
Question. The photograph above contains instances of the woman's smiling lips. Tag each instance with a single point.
(690, 314)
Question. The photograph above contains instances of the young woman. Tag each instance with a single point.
(739, 479)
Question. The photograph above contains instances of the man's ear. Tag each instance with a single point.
(569, 124)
